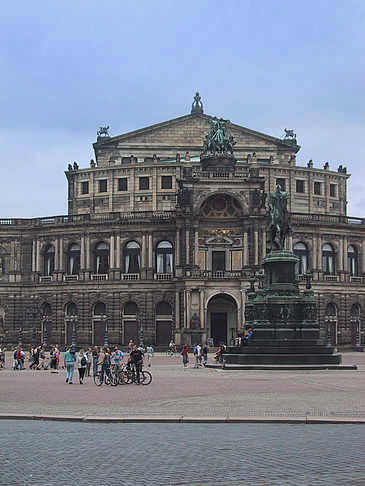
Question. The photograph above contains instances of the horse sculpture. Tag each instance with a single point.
(279, 225)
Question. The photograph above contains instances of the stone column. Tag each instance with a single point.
(39, 256)
(263, 241)
(344, 253)
(256, 246)
(177, 309)
(177, 248)
(56, 255)
(187, 247)
(150, 248)
(61, 266)
(88, 256)
(82, 253)
(243, 300)
(118, 253)
(143, 251)
(112, 252)
(340, 256)
(201, 308)
(363, 256)
(196, 248)
(290, 243)
(245, 249)
(188, 308)
(34, 255)
(315, 250)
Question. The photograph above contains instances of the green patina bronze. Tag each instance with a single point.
(279, 218)
(217, 140)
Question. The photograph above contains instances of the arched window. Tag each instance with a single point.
(164, 309)
(164, 257)
(47, 311)
(301, 251)
(130, 309)
(352, 261)
(99, 309)
(355, 311)
(48, 260)
(101, 258)
(328, 259)
(71, 309)
(73, 259)
(331, 310)
(132, 257)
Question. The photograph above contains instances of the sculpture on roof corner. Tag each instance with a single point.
(289, 134)
(217, 140)
(103, 133)
(197, 106)
(279, 217)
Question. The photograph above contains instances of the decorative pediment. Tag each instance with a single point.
(219, 237)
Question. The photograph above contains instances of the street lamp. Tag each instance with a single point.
(45, 320)
(328, 335)
(140, 322)
(356, 321)
(73, 319)
(33, 310)
(106, 333)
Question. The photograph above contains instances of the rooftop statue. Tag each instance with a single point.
(279, 218)
(197, 106)
(103, 132)
(217, 141)
(289, 134)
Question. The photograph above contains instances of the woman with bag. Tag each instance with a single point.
(81, 364)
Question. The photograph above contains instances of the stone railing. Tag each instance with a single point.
(356, 279)
(331, 278)
(45, 278)
(162, 276)
(130, 276)
(214, 273)
(326, 218)
(99, 277)
(70, 278)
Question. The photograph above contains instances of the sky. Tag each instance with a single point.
(69, 67)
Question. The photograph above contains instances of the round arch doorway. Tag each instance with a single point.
(222, 318)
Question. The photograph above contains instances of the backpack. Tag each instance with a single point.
(83, 361)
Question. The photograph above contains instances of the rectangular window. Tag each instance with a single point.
(85, 187)
(103, 185)
(317, 188)
(144, 183)
(299, 186)
(166, 182)
(218, 260)
(123, 184)
(333, 190)
(281, 183)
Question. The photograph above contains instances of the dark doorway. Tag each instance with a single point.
(69, 326)
(354, 325)
(130, 332)
(218, 325)
(99, 333)
(163, 332)
(219, 260)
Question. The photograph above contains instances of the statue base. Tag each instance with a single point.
(218, 162)
(284, 322)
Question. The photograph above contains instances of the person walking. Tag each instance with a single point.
(95, 354)
(185, 356)
(81, 365)
(150, 354)
(69, 359)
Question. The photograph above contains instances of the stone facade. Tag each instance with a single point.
(154, 242)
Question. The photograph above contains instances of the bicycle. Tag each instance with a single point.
(129, 375)
(172, 352)
(109, 378)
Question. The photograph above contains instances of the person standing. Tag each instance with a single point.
(95, 354)
(185, 356)
(117, 356)
(69, 359)
(81, 365)
(105, 363)
(89, 359)
(205, 353)
(136, 360)
(150, 353)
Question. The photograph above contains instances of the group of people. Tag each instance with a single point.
(200, 354)
(244, 337)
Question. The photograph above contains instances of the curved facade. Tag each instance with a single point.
(157, 243)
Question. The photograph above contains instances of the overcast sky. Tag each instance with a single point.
(68, 67)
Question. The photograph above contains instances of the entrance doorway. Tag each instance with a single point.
(218, 327)
(223, 319)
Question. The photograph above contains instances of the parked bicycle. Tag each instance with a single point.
(109, 378)
(128, 374)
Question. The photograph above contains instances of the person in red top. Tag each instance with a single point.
(185, 356)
